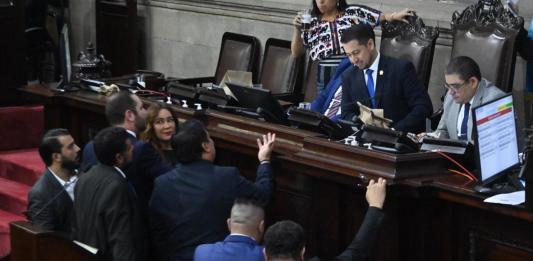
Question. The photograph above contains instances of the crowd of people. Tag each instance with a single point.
(147, 187)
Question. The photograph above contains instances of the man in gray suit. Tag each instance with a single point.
(466, 90)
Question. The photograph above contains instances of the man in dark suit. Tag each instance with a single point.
(50, 199)
(381, 82)
(285, 240)
(246, 225)
(105, 211)
(189, 204)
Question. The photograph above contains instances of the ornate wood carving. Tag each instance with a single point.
(415, 29)
(486, 12)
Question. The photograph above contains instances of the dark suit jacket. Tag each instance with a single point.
(398, 92)
(106, 215)
(233, 248)
(49, 205)
(364, 240)
(190, 205)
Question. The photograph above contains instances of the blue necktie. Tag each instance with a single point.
(370, 86)
(464, 124)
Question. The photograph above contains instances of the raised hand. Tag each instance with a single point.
(266, 145)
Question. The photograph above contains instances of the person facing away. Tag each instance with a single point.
(285, 240)
(190, 203)
(106, 214)
(466, 90)
(381, 82)
(246, 225)
(51, 197)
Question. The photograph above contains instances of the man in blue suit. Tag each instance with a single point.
(381, 82)
(246, 225)
(189, 204)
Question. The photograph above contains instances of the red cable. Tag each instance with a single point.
(458, 164)
(460, 173)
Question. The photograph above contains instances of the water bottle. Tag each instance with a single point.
(529, 71)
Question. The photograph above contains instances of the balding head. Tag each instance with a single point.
(247, 217)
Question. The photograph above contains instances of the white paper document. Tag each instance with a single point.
(514, 198)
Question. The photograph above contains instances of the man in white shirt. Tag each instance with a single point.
(50, 199)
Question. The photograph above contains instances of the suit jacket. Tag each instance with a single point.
(360, 247)
(106, 215)
(398, 92)
(322, 101)
(190, 205)
(486, 91)
(49, 204)
(233, 248)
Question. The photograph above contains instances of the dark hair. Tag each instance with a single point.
(285, 239)
(149, 133)
(50, 144)
(360, 32)
(117, 105)
(187, 143)
(463, 66)
(340, 7)
(108, 142)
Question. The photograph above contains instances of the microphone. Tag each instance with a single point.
(64, 189)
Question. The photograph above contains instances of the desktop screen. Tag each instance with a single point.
(495, 137)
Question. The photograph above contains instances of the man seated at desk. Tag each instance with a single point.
(383, 82)
(466, 89)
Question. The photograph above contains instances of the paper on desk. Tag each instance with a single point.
(236, 77)
(373, 117)
(514, 198)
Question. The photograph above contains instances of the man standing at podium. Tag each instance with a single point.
(466, 89)
(381, 82)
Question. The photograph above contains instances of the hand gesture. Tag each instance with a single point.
(266, 146)
(375, 193)
(401, 15)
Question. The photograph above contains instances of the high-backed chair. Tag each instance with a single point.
(412, 41)
(237, 52)
(309, 90)
(282, 73)
(486, 32)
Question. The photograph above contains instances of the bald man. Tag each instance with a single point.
(246, 225)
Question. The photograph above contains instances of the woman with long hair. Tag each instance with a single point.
(161, 125)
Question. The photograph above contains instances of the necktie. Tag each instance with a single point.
(464, 124)
(370, 86)
(335, 104)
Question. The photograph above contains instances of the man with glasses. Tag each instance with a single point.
(466, 89)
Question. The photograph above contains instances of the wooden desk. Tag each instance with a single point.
(431, 215)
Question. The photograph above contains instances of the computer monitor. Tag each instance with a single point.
(259, 100)
(495, 137)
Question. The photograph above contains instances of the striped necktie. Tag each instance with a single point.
(335, 104)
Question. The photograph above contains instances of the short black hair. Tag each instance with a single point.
(250, 202)
(117, 105)
(50, 144)
(463, 66)
(361, 32)
(316, 12)
(108, 142)
(187, 143)
(285, 239)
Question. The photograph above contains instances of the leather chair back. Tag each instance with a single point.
(310, 82)
(238, 52)
(414, 42)
(281, 73)
(486, 32)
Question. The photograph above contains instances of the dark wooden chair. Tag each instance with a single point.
(309, 90)
(32, 243)
(411, 41)
(486, 32)
(237, 52)
(282, 73)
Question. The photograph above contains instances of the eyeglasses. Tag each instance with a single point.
(162, 121)
(454, 86)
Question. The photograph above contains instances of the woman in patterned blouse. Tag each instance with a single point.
(329, 19)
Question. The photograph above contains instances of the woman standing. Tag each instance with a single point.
(328, 19)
